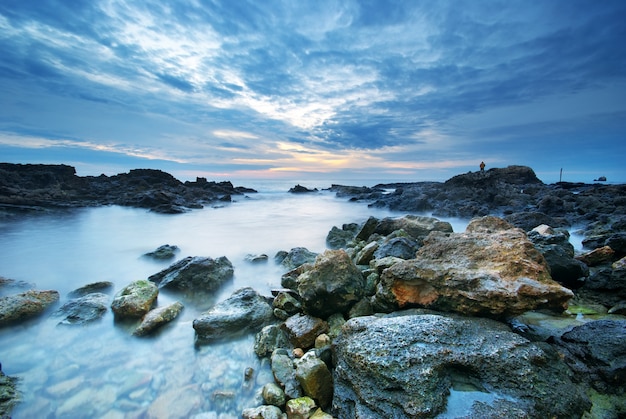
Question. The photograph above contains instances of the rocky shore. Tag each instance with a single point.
(36, 187)
(402, 317)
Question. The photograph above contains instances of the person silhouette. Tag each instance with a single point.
(482, 166)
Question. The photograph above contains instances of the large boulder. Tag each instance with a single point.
(31, 303)
(244, 311)
(491, 269)
(333, 284)
(416, 226)
(135, 299)
(85, 309)
(195, 273)
(315, 378)
(296, 257)
(421, 364)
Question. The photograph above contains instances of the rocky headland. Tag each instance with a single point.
(402, 317)
(31, 187)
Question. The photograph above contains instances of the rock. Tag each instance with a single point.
(333, 284)
(9, 395)
(596, 352)
(301, 189)
(84, 309)
(298, 256)
(365, 255)
(339, 238)
(262, 258)
(530, 219)
(195, 273)
(300, 408)
(163, 252)
(135, 299)
(417, 227)
(157, 318)
(302, 329)
(400, 247)
(273, 395)
(263, 412)
(606, 286)
(31, 303)
(320, 414)
(559, 254)
(284, 373)
(269, 338)
(597, 256)
(287, 302)
(490, 270)
(411, 364)
(102, 287)
(616, 241)
(243, 312)
(315, 379)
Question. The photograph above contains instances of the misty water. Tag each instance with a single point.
(100, 369)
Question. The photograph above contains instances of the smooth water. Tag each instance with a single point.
(100, 369)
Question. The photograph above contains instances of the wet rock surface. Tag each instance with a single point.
(405, 365)
(19, 307)
(196, 274)
(85, 309)
(33, 187)
(135, 299)
(158, 317)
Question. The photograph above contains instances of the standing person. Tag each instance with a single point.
(482, 166)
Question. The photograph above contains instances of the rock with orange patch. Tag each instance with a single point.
(491, 269)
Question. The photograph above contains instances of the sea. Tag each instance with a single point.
(100, 370)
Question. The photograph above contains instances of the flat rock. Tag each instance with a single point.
(19, 307)
(85, 309)
(157, 318)
(195, 273)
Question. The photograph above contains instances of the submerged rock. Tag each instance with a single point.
(9, 396)
(135, 299)
(244, 311)
(19, 307)
(163, 252)
(490, 270)
(84, 309)
(157, 318)
(94, 287)
(410, 364)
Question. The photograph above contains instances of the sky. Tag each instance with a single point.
(327, 89)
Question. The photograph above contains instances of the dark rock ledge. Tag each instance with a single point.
(36, 187)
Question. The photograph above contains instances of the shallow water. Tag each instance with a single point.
(100, 369)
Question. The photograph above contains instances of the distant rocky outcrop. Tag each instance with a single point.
(301, 189)
(39, 186)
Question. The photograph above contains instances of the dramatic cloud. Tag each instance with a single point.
(370, 89)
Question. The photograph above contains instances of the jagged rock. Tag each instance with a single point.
(163, 252)
(490, 270)
(84, 309)
(158, 317)
(333, 284)
(301, 189)
(417, 227)
(298, 256)
(135, 299)
(269, 338)
(597, 256)
(339, 238)
(365, 255)
(530, 219)
(596, 351)
(400, 247)
(31, 303)
(410, 364)
(287, 302)
(195, 273)
(244, 311)
(284, 373)
(262, 258)
(315, 379)
(102, 287)
(302, 329)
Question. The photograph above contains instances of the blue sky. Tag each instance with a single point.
(389, 90)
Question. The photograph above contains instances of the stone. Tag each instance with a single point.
(273, 395)
(298, 256)
(365, 255)
(263, 412)
(9, 395)
(158, 317)
(596, 351)
(243, 312)
(85, 309)
(333, 284)
(315, 379)
(490, 270)
(300, 408)
(261, 258)
(287, 302)
(195, 273)
(597, 256)
(301, 189)
(320, 414)
(163, 252)
(322, 341)
(340, 238)
(283, 370)
(19, 307)
(410, 364)
(135, 299)
(417, 227)
(302, 329)
(269, 338)
(400, 247)
(103, 287)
